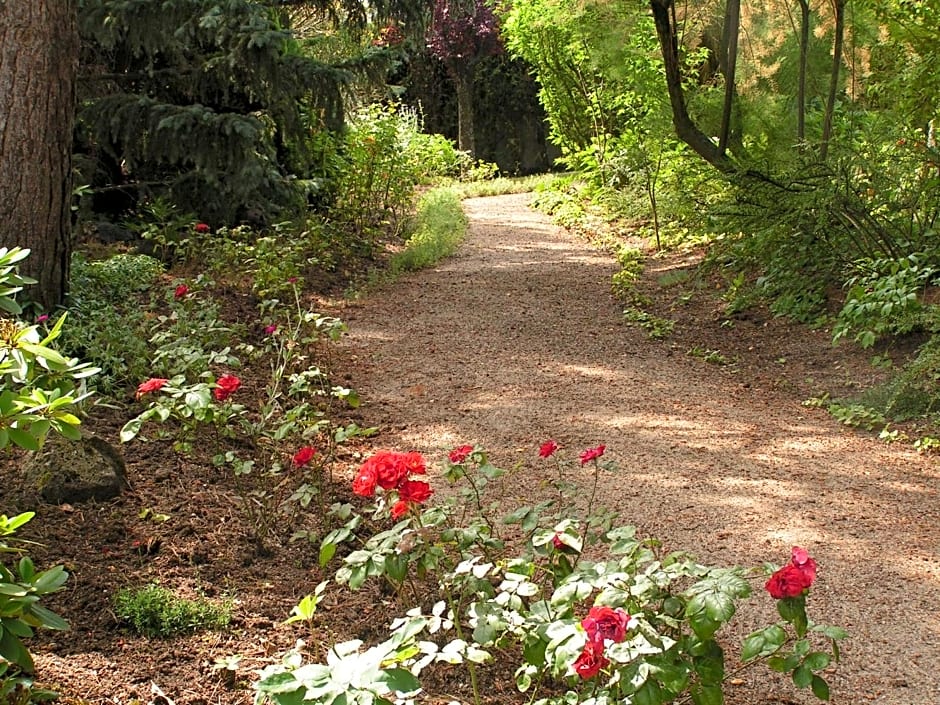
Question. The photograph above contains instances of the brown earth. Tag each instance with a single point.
(514, 340)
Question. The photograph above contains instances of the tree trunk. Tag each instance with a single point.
(801, 86)
(463, 73)
(833, 79)
(686, 129)
(38, 65)
(729, 50)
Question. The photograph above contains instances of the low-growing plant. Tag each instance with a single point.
(656, 327)
(21, 589)
(155, 611)
(883, 298)
(632, 624)
(191, 339)
(438, 228)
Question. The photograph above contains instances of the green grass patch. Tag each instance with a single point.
(503, 185)
(439, 227)
(154, 611)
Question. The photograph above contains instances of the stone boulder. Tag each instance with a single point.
(69, 472)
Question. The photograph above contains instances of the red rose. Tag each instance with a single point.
(591, 660)
(548, 448)
(201, 228)
(304, 456)
(399, 508)
(459, 454)
(789, 581)
(226, 386)
(557, 542)
(181, 291)
(364, 482)
(801, 559)
(604, 624)
(271, 329)
(414, 491)
(592, 453)
(414, 463)
(151, 385)
(389, 469)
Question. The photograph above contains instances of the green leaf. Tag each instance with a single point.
(12, 649)
(820, 688)
(816, 660)
(48, 618)
(707, 695)
(23, 439)
(802, 677)
(763, 642)
(399, 679)
(51, 580)
(327, 551)
(783, 664)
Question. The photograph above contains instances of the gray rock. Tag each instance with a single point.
(68, 472)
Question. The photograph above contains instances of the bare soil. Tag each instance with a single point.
(514, 340)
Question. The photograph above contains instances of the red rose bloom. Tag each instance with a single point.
(592, 453)
(202, 228)
(181, 291)
(801, 559)
(557, 542)
(414, 463)
(789, 581)
(151, 385)
(387, 467)
(459, 454)
(604, 624)
(304, 456)
(226, 386)
(414, 491)
(400, 508)
(548, 448)
(591, 660)
(365, 481)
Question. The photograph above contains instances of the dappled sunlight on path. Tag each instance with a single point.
(516, 339)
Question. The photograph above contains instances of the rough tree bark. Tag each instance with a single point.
(801, 86)
(463, 74)
(38, 63)
(664, 18)
(833, 79)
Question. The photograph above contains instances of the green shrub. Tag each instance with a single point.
(107, 323)
(155, 611)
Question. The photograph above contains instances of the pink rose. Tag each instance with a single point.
(592, 454)
(801, 559)
(151, 385)
(304, 456)
(460, 454)
(604, 624)
(548, 448)
(226, 386)
(591, 660)
(789, 581)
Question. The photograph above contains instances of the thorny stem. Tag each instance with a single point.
(587, 510)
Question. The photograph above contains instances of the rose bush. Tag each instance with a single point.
(649, 625)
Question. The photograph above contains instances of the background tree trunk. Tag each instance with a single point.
(463, 82)
(833, 79)
(38, 63)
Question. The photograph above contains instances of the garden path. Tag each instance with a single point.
(516, 339)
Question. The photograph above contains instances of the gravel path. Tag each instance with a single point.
(516, 339)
